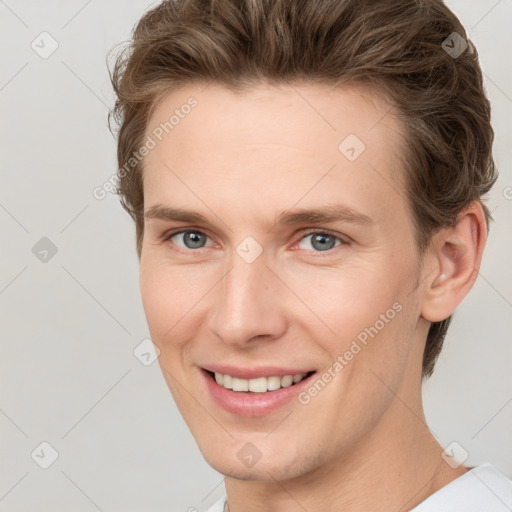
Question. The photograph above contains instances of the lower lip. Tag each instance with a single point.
(253, 404)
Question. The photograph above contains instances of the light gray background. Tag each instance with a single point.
(70, 325)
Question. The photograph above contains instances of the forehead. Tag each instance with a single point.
(290, 142)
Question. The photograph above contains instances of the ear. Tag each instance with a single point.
(455, 255)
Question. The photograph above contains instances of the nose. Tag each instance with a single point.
(248, 304)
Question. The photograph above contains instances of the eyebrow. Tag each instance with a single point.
(324, 214)
(167, 213)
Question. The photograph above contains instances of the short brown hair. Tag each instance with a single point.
(401, 47)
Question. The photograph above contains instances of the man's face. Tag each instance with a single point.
(248, 290)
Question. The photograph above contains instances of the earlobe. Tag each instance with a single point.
(457, 253)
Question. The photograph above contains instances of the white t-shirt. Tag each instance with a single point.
(481, 489)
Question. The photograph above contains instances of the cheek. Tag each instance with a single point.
(362, 314)
(347, 300)
(158, 298)
(169, 294)
(173, 296)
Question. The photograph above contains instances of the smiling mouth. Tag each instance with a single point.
(259, 385)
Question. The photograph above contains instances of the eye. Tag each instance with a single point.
(317, 241)
(320, 241)
(190, 239)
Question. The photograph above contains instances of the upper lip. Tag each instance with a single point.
(253, 372)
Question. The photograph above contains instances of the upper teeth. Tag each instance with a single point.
(259, 385)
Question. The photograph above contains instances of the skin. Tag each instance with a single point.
(362, 443)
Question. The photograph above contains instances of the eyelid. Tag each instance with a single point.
(310, 231)
(177, 231)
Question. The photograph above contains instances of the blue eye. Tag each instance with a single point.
(321, 241)
(190, 239)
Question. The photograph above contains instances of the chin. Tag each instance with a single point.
(263, 471)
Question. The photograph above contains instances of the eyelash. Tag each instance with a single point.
(304, 235)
